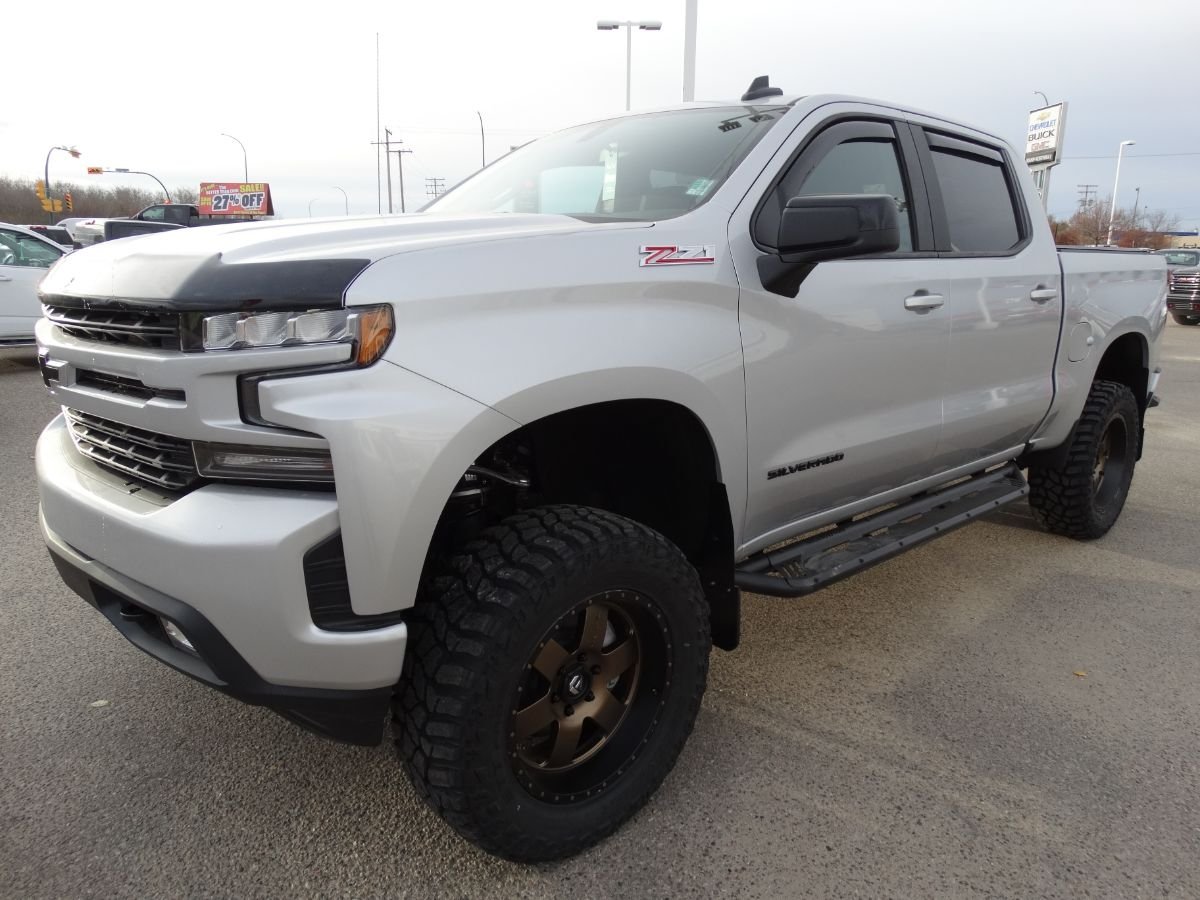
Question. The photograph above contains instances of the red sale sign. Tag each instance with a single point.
(230, 198)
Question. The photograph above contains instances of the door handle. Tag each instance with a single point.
(1042, 294)
(923, 302)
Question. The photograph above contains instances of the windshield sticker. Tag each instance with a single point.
(700, 187)
(671, 255)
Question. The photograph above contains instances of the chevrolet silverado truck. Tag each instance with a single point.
(504, 466)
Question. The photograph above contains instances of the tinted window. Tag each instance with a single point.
(1181, 257)
(853, 157)
(18, 249)
(153, 214)
(979, 205)
(859, 167)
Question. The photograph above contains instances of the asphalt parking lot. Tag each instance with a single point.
(999, 713)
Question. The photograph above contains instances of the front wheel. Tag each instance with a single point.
(554, 671)
(1083, 495)
(1185, 320)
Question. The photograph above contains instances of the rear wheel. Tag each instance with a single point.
(1185, 320)
(553, 673)
(1083, 496)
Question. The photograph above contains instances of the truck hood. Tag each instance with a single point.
(276, 264)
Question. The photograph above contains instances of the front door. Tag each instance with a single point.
(845, 372)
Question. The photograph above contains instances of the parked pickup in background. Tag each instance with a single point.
(1183, 285)
(159, 217)
(503, 467)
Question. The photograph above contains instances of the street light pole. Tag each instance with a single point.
(613, 25)
(166, 193)
(345, 198)
(310, 203)
(49, 195)
(689, 51)
(628, 64)
(1045, 101)
(1112, 209)
(245, 164)
(1137, 198)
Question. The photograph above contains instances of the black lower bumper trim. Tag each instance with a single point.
(353, 717)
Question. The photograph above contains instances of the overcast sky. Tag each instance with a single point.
(151, 85)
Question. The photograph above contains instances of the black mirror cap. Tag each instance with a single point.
(836, 226)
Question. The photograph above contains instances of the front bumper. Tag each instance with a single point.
(232, 555)
(352, 716)
(1185, 302)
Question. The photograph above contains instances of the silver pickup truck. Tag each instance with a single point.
(503, 467)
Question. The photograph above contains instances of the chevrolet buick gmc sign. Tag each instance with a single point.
(1043, 139)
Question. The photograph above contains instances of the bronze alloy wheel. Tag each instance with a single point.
(554, 669)
(590, 696)
(1108, 470)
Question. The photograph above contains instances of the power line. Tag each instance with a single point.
(1085, 194)
(1136, 155)
(434, 187)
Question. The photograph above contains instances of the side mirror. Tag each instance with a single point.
(835, 226)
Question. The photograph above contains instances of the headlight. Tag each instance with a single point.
(369, 328)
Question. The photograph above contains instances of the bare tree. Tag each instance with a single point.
(20, 205)
(186, 195)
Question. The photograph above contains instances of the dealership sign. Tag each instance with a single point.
(1044, 137)
(231, 198)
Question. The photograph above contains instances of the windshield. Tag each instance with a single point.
(636, 168)
(1182, 257)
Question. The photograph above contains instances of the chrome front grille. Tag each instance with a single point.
(137, 328)
(163, 461)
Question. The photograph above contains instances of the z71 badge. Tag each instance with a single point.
(663, 255)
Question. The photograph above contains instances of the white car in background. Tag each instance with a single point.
(24, 258)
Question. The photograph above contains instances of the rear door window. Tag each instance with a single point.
(978, 197)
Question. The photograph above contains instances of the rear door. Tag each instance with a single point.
(1004, 306)
(845, 361)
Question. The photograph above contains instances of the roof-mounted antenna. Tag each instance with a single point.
(761, 87)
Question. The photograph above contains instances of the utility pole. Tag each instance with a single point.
(378, 186)
(400, 161)
(482, 143)
(387, 145)
(689, 51)
(1137, 198)
(435, 187)
(1085, 194)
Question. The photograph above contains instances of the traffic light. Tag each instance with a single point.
(95, 170)
(69, 202)
(40, 190)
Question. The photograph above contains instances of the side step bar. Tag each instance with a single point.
(810, 563)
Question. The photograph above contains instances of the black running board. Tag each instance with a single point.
(810, 563)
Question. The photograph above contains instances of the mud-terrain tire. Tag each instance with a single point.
(554, 669)
(1082, 497)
